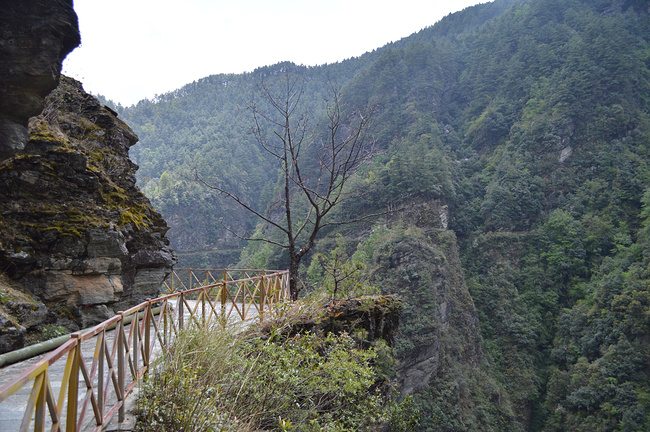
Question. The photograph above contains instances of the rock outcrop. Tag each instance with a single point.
(77, 238)
(439, 345)
(35, 37)
(440, 321)
(374, 317)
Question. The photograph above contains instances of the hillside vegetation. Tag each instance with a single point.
(512, 143)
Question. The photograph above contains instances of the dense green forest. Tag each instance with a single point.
(527, 123)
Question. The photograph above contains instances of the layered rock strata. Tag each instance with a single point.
(77, 238)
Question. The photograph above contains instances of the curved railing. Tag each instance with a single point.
(93, 390)
(186, 279)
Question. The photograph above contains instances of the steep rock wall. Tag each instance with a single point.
(441, 361)
(419, 261)
(76, 236)
(35, 37)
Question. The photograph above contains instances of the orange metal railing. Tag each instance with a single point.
(93, 390)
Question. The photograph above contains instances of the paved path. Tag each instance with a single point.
(13, 408)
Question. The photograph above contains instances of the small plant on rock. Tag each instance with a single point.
(52, 331)
(340, 276)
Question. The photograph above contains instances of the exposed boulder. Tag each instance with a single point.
(35, 37)
(75, 232)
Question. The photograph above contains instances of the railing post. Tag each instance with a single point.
(224, 288)
(203, 307)
(73, 386)
(121, 368)
(39, 415)
(224, 295)
(277, 286)
(100, 373)
(147, 338)
(165, 311)
(262, 297)
(135, 347)
(181, 314)
(285, 286)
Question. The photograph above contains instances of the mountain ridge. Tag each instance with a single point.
(528, 121)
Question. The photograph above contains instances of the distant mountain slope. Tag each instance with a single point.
(521, 126)
(206, 126)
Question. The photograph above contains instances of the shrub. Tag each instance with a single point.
(212, 380)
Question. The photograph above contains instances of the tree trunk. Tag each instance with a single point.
(294, 263)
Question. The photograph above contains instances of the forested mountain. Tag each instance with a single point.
(512, 143)
(205, 127)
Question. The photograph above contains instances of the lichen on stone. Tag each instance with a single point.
(68, 200)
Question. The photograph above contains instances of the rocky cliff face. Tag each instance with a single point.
(419, 261)
(441, 361)
(35, 37)
(78, 240)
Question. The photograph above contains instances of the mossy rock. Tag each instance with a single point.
(374, 317)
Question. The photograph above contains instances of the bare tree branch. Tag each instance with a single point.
(286, 135)
(265, 240)
(238, 201)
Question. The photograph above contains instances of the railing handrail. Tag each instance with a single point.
(133, 352)
(267, 271)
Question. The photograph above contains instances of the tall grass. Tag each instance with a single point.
(215, 380)
(184, 391)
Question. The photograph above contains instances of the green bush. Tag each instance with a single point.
(212, 380)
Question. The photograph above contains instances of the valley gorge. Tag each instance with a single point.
(512, 148)
(510, 175)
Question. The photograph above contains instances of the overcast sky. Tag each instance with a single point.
(135, 49)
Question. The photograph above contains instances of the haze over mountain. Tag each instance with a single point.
(515, 137)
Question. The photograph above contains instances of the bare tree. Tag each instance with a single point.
(316, 163)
